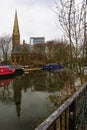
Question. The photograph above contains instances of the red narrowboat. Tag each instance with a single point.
(6, 71)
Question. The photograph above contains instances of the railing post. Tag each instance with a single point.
(85, 108)
(54, 126)
(72, 116)
(61, 122)
(65, 119)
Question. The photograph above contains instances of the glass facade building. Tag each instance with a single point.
(36, 40)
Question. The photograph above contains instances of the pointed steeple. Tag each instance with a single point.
(16, 34)
(16, 27)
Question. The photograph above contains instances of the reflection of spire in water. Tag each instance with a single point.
(18, 109)
(17, 99)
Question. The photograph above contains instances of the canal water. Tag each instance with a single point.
(25, 101)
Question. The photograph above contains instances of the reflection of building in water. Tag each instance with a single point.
(6, 91)
(17, 99)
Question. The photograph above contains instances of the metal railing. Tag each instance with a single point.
(72, 115)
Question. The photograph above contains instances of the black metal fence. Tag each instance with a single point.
(72, 115)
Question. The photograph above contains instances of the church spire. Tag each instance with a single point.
(16, 27)
(16, 34)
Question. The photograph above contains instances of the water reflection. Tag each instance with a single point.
(49, 82)
(6, 93)
(17, 97)
(35, 96)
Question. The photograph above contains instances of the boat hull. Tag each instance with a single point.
(9, 72)
(7, 76)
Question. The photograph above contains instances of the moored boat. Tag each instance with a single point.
(19, 70)
(53, 67)
(6, 71)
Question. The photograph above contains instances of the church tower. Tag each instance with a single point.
(16, 33)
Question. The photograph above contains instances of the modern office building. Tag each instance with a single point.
(36, 40)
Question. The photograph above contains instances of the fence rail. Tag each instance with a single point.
(72, 115)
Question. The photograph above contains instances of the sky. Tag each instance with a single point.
(35, 18)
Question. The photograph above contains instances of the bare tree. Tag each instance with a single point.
(39, 48)
(5, 47)
(57, 51)
(72, 18)
(61, 52)
(49, 51)
(85, 31)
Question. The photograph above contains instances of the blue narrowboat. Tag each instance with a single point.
(52, 67)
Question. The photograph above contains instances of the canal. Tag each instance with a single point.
(25, 101)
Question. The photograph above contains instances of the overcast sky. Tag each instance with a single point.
(34, 16)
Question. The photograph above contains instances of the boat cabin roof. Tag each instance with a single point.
(3, 66)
